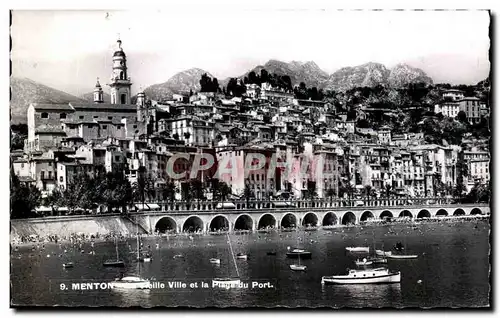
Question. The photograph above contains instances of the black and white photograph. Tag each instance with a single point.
(250, 158)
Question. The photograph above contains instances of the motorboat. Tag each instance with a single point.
(402, 256)
(131, 282)
(363, 262)
(68, 265)
(379, 260)
(114, 263)
(382, 253)
(298, 267)
(215, 261)
(360, 249)
(368, 276)
(145, 258)
(226, 282)
(298, 253)
(241, 256)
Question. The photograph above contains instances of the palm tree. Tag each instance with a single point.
(330, 193)
(368, 192)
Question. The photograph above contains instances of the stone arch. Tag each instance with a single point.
(366, 215)
(459, 212)
(330, 218)
(310, 219)
(476, 211)
(219, 223)
(386, 214)
(266, 220)
(405, 213)
(289, 220)
(193, 224)
(442, 212)
(348, 218)
(423, 214)
(165, 225)
(243, 222)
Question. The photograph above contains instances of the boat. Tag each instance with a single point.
(68, 265)
(382, 253)
(299, 253)
(145, 257)
(241, 256)
(402, 256)
(363, 262)
(358, 249)
(116, 262)
(131, 282)
(271, 253)
(214, 261)
(298, 267)
(368, 276)
(178, 256)
(228, 282)
(379, 260)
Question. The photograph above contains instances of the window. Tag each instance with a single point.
(42, 175)
(110, 117)
(123, 98)
(95, 117)
(81, 117)
(118, 127)
(45, 115)
(50, 174)
(117, 158)
(135, 126)
(50, 164)
(104, 126)
(137, 131)
(62, 116)
(61, 178)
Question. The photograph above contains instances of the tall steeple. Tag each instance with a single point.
(120, 82)
(98, 93)
(141, 105)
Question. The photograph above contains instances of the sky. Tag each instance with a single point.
(67, 50)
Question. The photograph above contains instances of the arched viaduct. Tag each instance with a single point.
(231, 220)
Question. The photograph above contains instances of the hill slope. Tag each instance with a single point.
(181, 82)
(25, 91)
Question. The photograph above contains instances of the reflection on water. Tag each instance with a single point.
(374, 295)
(452, 269)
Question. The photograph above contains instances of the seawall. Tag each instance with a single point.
(65, 226)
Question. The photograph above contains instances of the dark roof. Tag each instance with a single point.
(65, 107)
(50, 130)
(119, 53)
(105, 106)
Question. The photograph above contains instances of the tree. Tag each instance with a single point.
(368, 191)
(224, 190)
(311, 190)
(462, 117)
(330, 193)
(23, 198)
(196, 188)
(175, 136)
(54, 200)
(247, 192)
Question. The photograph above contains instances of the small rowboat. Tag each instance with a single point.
(363, 262)
(214, 261)
(241, 256)
(396, 256)
(68, 265)
(358, 249)
(296, 267)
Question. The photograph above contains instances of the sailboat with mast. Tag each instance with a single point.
(228, 282)
(116, 262)
(298, 267)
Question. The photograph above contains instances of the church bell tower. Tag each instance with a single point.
(120, 82)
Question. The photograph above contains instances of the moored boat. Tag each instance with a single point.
(296, 253)
(402, 256)
(114, 263)
(215, 261)
(363, 262)
(370, 276)
(382, 253)
(131, 282)
(298, 267)
(365, 249)
(68, 265)
(241, 256)
(271, 253)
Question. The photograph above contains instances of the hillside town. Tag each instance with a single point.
(366, 150)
